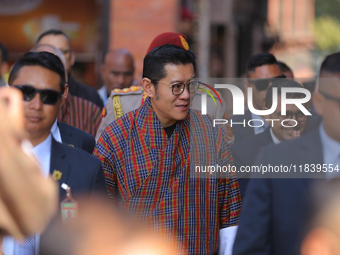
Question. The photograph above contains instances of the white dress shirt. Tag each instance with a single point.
(258, 130)
(42, 152)
(275, 140)
(56, 132)
(103, 94)
(330, 152)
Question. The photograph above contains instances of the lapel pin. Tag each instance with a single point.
(71, 145)
(57, 175)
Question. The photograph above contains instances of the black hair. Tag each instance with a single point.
(4, 53)
(283, 67)
(331, 64)
(282, 83)
(157, 58)
(53, 32)
(44, 59)
(260, 60)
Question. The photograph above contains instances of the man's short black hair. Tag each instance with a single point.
(260, 60)
(331, 64)
(282, 83)
(53, 32)
(3, 53)
(43, 59)
(283, 67)
(157, 58)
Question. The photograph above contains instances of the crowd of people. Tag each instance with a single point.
(125, 157)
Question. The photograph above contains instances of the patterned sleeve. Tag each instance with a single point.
(104, 152)
(228, 189)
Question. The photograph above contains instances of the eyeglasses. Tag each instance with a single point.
(263, 84)
(289, 115)
(178, 87)
(330, 97)
(47, 96)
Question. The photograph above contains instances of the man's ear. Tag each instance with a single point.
(148, 87)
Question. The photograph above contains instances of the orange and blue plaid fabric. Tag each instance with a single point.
(149, 174)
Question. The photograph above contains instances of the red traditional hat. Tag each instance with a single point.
(169, 38)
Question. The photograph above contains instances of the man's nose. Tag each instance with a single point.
(186, 94)
(36, 102)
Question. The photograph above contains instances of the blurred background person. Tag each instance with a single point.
(323, 221)
(4, 66)
(59, 40)
(117, 72)
(286, 70)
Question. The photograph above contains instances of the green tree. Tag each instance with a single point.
(327, 33)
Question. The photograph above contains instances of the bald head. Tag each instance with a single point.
(118, 69)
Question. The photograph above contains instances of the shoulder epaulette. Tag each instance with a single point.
(127, 91)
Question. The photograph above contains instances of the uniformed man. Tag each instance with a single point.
(122, 101)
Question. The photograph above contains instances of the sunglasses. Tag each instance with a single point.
(47, 96)
(263, 84)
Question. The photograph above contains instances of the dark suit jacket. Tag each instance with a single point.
(81, 171)
(84, 174)
(274, 209)
(245, 153)
(80, 90)
(76, 138)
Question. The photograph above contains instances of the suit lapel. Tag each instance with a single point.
(266, 138)
(59, 165)
(66, 136)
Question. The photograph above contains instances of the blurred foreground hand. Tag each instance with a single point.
(27, 199)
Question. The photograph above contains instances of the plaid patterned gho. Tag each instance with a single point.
(150, 175)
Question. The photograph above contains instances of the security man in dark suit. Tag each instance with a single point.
(40, 76)
(261, 68)
(274, 208)
(246, 151)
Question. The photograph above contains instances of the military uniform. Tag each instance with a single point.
(122, 101)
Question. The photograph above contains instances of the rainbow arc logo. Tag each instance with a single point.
(209, 93)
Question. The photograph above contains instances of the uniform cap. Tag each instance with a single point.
(169, 38)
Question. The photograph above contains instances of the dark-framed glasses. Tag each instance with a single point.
(299, 115)
(263, 84)
(330, 97)
(47, 96)
(178, 87)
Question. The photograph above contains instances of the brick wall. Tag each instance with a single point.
(135, 23)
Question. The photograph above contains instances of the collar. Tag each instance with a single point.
(55, 131)
(150, 127)
(275, 140)
(330, 147)
(257, 129)
(103, 94)
(42, 152)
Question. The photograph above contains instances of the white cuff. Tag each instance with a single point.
(227, 238)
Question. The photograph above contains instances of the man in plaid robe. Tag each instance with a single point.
(149, 157)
